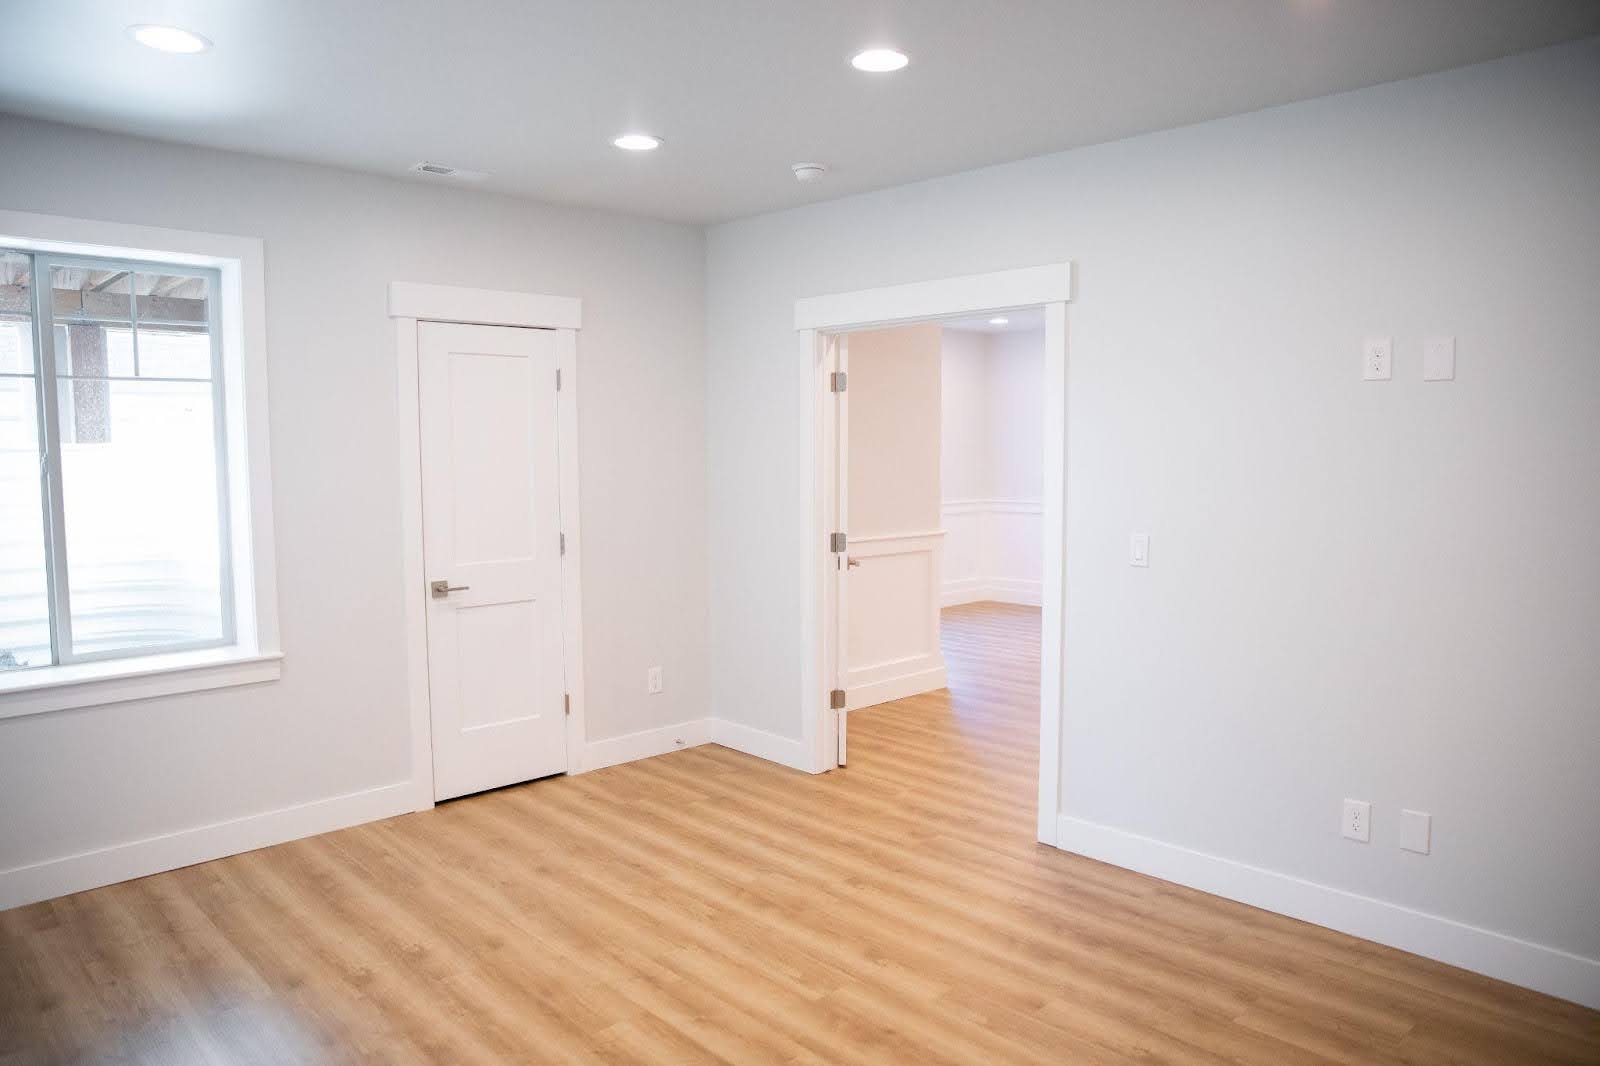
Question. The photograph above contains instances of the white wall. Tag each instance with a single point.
(1377, 590)
(993, 432)
(892, 628)
(336, 723)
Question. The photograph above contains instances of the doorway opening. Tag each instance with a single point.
(941, 466)
(826, 327)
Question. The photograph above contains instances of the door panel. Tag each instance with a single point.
(491, 529)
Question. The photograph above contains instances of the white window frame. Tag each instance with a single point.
(254, 654)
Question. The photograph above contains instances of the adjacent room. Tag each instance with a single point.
(612, 532)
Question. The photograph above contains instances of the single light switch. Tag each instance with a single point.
(1439, 359)
(1416, 831)
(1139, 550)
(1377, 354)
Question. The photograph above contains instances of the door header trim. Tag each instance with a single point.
(486, 307)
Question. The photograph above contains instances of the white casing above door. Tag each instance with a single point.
(491, 531)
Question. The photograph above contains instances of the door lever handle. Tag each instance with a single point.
(852, 563)
(441, 589)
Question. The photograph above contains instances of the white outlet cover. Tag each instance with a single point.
(1377, 358)
(1439, 359)
(1416, 831)
(1139, 549)
(1357, 821)
(652, 679)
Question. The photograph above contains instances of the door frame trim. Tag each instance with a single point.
(815, 318)
(409, 304)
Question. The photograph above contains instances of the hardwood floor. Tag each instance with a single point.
(708, 907)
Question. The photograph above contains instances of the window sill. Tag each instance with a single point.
(60, 688)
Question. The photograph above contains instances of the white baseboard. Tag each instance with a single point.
(644, 744)
(1017, 590)
(1535, 966)
(169, 851)
(895, 688)
(152, 855)
(761, 744)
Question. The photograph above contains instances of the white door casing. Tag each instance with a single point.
(817, 320)
(844, 563)
(491, 531)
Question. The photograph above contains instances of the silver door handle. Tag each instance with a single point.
(441, 589)
(852, 563)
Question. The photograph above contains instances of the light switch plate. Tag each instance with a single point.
(1139, 549)
(1439, 359)
(1416, 831)
(1377, 358)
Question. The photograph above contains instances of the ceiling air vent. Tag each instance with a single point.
(440, 170)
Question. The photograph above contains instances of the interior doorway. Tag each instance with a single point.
(487, 452)
(823, 326)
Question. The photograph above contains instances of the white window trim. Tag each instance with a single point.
(255, 656)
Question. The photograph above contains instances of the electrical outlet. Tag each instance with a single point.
(1357, 824)
(652, 680)
(1377, 355)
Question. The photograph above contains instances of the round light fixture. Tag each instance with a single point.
(169, 39)
(637, 142)
(999, 321)
(879, 60)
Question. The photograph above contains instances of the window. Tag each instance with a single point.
(135, 495)
(114, 525)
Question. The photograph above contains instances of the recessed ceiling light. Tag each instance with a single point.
(637, 142)
(169, 39)
(1000, 321)
(879, 60)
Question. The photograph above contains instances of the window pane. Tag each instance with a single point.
(89, 306)
(142, 528)
(174, 326)
(16, 314)
(24, 579)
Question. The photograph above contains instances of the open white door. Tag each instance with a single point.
(842, 561)
(492, 554)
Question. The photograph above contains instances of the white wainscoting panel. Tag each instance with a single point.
(893, 631)
(992, 552)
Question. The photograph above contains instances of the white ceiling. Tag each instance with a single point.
(1027, 320)
(532, 91)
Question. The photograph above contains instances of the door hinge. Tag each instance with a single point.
(563, 544)
(558, 379)
(836, 699)
(566, 702)
(837, 542)
(837, 381)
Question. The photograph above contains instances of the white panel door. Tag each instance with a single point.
(492, 555)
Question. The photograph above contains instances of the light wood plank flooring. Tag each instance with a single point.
(708, 907)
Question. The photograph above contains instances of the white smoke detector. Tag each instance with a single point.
(808, 173)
